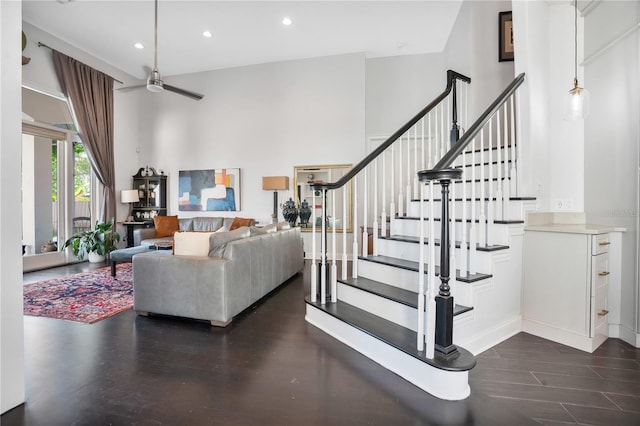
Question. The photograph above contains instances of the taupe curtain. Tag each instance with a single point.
(91, 95)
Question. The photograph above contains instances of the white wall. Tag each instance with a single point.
(472, 50)
(12, 386)
(398, 87)
(612, 136)
(264, 119)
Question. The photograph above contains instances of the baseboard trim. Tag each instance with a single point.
(625, 333)
(491, 337)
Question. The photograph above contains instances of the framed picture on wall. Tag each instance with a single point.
(209, 190)
(505, 35)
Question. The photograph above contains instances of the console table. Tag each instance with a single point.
(131, 226)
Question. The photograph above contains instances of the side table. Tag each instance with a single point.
(131, 226)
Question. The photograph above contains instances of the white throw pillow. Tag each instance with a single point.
(191, 243)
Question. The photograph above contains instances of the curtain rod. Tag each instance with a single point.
(40, 44)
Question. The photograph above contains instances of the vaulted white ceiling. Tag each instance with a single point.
(244, 32)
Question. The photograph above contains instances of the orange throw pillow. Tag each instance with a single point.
(166, 226)
(239, 222)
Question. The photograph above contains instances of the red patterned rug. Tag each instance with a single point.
(87, 297)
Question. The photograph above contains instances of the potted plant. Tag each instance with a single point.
(95, 244)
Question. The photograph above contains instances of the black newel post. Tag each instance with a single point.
(455, 129)
(324, 250)
(444, 301)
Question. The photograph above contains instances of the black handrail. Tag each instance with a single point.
(451, 77)
(460, 146)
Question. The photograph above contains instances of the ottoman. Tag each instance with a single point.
(125, 255)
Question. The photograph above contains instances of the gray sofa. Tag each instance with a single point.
(146, 236)
(216, 288)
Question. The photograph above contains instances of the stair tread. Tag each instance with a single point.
(479, 199)
(400, 295)
(392, 334)
(413, 266)
(437, 219)
(412, 239)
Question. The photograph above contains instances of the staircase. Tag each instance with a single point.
(440, 276)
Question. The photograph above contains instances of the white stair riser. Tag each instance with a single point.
(486, 169)
(498, 233)
(388, 309)
(450, 385)
(478, 157)
(511, 213)
(408, 280)
(411, 251)
(395, 312)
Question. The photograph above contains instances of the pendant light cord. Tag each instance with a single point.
(575, 43)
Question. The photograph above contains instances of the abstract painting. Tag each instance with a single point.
(209, 190)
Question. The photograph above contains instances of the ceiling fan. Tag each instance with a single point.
(154, 81)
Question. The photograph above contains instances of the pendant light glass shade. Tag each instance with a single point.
(576, 103)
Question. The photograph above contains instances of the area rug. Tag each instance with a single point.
(86, 297)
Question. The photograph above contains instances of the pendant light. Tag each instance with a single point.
(577, 100)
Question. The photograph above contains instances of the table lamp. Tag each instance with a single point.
(129, 196)
(275, 184)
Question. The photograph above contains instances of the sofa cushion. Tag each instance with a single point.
(186, 223)
(166, 226)
(270, 228)
(218, 241)
(253, 231)
(207, 223)
(239, 222)
(191, 243)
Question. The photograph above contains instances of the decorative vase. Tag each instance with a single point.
(95, 257)
(290, 212)
(305, 213)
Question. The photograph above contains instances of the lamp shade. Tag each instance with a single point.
(275, 183)
(129, 196)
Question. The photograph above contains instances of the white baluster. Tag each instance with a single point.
(482, 236)
(463, 214)
(513, 173)
(400, 183)
(365, 232)
(473, 232)
(314, 266)
(487, 227)
(422, 151)
(431, 298)
(392, 204)
(415, 183)
(354, 262)
(409, 180)
(375, 207)
(420, 333)
(505, 152)
(430, 145)
(345, 221)
(498, 205)
(334, 254)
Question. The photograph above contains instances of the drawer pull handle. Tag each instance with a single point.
(604, 243)
(603, 313)
(603, 274)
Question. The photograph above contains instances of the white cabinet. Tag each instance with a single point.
(565, 288)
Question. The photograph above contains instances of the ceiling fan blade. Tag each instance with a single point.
(127, 88)
(187, 93)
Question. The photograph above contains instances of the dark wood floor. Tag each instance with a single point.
(272, 368)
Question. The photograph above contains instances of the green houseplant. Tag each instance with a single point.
(94, 244)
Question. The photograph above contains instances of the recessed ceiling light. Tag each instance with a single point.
(287, 21)
(207, 34)
(138, 45)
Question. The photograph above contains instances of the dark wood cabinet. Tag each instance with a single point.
(152, 191)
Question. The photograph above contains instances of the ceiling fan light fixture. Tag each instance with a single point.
(154, 82)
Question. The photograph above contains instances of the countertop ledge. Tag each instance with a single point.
(583, 228)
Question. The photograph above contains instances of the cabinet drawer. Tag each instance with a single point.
(599, 270)
(599, 322)
(600, 244)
